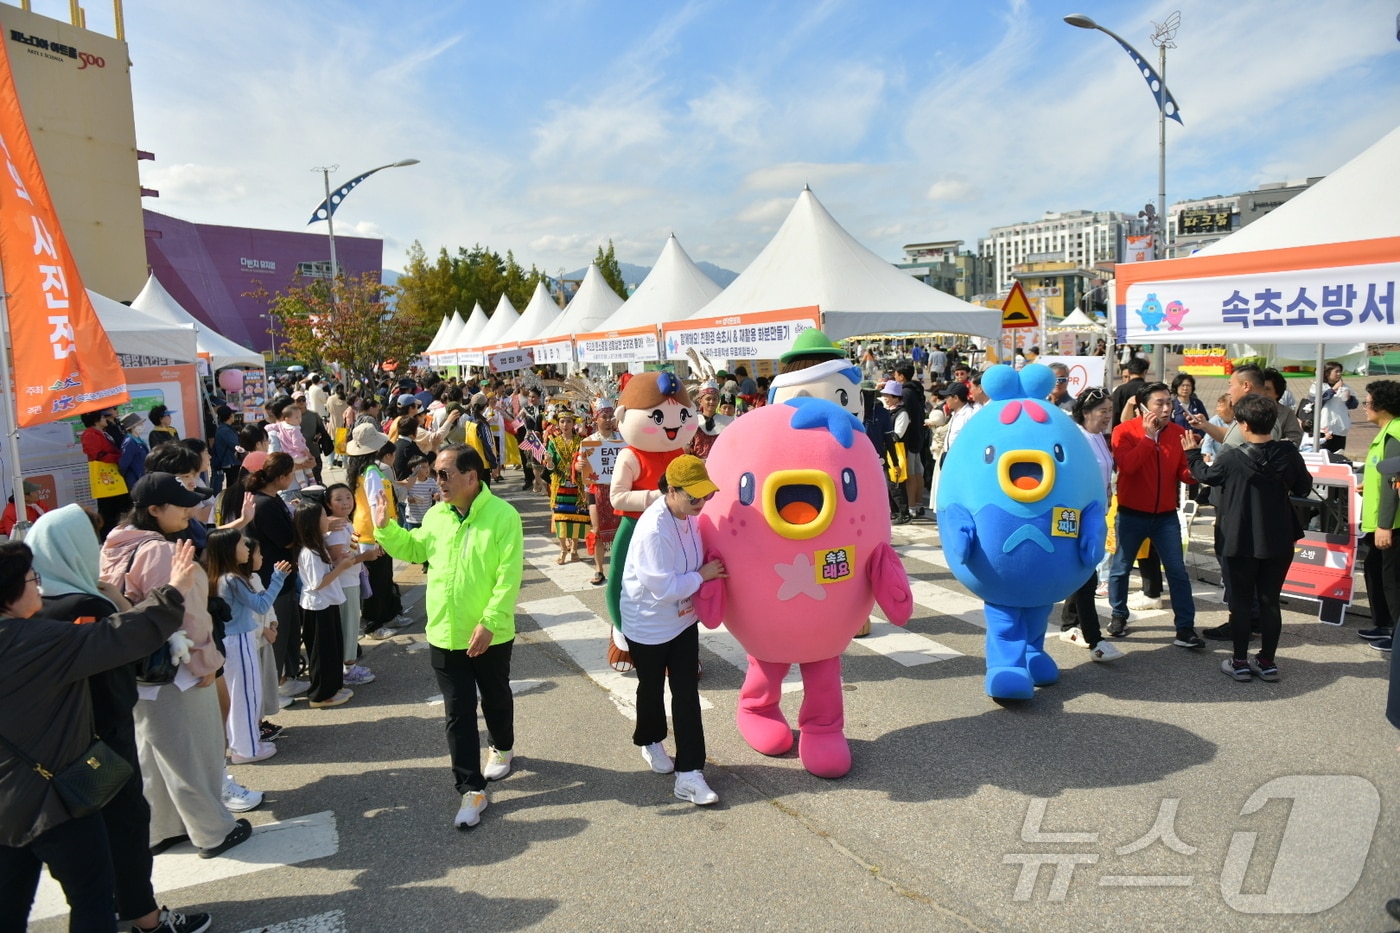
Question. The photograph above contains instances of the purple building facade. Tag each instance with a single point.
(208, 268)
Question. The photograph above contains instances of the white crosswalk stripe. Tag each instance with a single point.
(272, 845)
(330, 922)
(584, 637)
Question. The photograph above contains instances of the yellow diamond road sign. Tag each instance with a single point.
(1016, 311)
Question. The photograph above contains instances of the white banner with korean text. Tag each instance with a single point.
(765, 335)
(509, 361)
(620, 347)
(1333, 304)
(554, 353)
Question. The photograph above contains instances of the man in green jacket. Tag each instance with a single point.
(474, 545)
(1380, 514)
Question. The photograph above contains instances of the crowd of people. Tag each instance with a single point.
(232, 565)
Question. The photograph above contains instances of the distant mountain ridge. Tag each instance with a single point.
(634, 274)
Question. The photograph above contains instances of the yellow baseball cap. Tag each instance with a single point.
(688, 473)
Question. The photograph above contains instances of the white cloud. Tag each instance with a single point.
(954, 187)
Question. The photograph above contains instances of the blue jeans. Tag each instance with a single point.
(1165, 531)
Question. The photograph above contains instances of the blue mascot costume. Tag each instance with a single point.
(1021, 512)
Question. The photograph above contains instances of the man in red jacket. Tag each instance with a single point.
(1151, 461)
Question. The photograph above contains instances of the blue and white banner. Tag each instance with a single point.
(1335, 304)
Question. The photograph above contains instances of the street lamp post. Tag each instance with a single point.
(1162, 36)
(326, 210)
(271, 318)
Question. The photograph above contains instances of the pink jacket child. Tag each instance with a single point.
(137, 562)
(802, 521)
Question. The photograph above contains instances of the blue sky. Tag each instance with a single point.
(549, 127)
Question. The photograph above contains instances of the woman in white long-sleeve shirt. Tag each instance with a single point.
(664, 570)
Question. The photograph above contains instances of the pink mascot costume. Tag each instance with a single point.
(802, 521)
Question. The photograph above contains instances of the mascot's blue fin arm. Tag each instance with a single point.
(959, 533)
(1093, 529)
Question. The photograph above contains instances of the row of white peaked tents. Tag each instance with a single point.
(811, 264)
(156, 326)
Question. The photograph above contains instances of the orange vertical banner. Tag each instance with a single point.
(63, 362)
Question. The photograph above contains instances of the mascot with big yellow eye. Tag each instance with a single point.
(1021, 514)
(802, 521)
(655, 417)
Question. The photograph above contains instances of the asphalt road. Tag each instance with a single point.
(1150, 794)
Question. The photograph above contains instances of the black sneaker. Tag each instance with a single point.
(1187, 638)
(269, 731)
(903, 518)
(1383, 644)
(1225, 633)
(240, 833)
(1377, 633)
(174, 922)
(1117, 626)
(1264, 668)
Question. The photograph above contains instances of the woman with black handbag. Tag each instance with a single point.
(66, 556)
(52, 773)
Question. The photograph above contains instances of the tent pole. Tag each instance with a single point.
(12, 424)
(1317, 398)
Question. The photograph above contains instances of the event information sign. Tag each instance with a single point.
(602, 455)
(553, 354)
(509, 361)
(620, 347)
(762, 336)
(1334, 305)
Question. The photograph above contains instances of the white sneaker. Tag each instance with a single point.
(342, 696)
(1142, 602)
(355, 675)
(294, 688)
(1105, 651)
(383, 632)
(1101, 591)
(268, 750)
(690, 785)
(1074, 636)
(400, 621)
(239, 799)
(284, 702)
(473, 802)
(655, 755)
(497, 763)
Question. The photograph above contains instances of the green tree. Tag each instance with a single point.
(612, 273)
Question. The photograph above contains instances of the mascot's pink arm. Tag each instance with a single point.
(710, 602)
(890, 584)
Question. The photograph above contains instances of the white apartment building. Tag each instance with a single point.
(1082, 237)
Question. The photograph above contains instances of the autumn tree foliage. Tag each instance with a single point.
(354, 324)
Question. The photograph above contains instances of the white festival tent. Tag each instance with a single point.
(464, 341)
(476, 322)
(539, 314)
(436, 343)
(813, 263)
(592, 304)
(500, 323)
(674, 289)
(1077, 322)
(1319, 271)
(135, 333)
(442, 352)
(154, 301)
